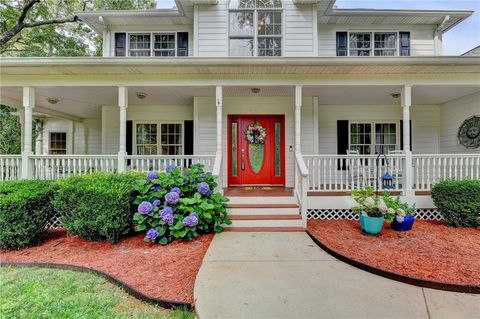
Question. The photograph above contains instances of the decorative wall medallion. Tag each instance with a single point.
(469, 132)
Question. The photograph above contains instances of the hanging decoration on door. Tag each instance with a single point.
(255, 133)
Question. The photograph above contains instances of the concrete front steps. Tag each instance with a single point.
(279, 213)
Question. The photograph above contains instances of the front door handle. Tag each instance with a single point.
(243, 159)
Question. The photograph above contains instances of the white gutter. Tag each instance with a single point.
(441, 26)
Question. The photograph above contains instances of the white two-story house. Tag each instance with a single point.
(294, 98)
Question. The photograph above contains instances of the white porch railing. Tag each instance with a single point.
(217, 171)
(61, 166)
(10, 166)
(334, 173)
(432, 168)
(145, 163)
(301, 185)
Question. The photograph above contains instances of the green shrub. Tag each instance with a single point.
(179, 204)
(25, 206)
(458, 202)
(96, 206)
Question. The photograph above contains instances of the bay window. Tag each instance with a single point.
(373, 138)
(255, 28)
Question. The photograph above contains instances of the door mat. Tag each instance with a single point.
(258, 188)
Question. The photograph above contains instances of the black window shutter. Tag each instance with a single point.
(342, 142)
(129, 139)
(401, 135)
(342, 38)
(404, 43)
(182, 44)
(188, 137)
(120, 44)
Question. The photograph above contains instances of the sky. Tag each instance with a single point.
(456, 41)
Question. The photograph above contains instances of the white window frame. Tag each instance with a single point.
(255, 36)
(372, 133)
(50, 142)
(159, 135)
(372, 42)
(152, 42)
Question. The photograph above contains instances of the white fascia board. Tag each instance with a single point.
(200, 2)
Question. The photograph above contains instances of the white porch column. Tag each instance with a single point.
(123, 105)
(219, 104)
(298, 117)
(28, 105)
(408, 171)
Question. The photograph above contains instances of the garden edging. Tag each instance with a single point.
(472, 289)
(168, 304)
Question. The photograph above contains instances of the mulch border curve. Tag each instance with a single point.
(471, 289)
(168, 304)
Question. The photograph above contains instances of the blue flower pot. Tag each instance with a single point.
(371, 225)
(406, 225)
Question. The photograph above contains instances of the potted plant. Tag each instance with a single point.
(373, 210)
(404, 218)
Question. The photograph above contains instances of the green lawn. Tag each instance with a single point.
(51, 293)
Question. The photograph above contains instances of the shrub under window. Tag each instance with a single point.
(458, 202)
(97, 206)
(25, 206)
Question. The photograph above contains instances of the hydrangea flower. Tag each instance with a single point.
(167, 215)
(382, 207)
(172, 198)
(399, 219)
(401, 212)
(170, 168)
(391, 211)
(152, 175)
(156, 188)
(369, 202)
(145, 208)
(204, 189)
(191, 220)
(176, 190)
(157, 202)
(152, 234)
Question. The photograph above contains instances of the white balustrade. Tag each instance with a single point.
(432, 168)
(60, 166)
(145, 163)
(342, 173)
(10, 166)
(301, 185)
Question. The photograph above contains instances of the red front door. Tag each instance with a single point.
(256, 150)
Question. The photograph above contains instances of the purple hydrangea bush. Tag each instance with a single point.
(179, 203)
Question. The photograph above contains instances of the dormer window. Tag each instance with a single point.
(255, 28)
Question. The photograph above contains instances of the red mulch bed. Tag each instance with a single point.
(163, 272)
(430, 251)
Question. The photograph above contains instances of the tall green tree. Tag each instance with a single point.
(10, 132)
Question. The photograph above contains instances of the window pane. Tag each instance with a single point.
(234, 149)
(241, 47)
(360, 44)
(269, 47)
(171, 139)
(278, 147)
(58, 143)
(139, 45)
(385, 40)
(269, 23)
(241, 23)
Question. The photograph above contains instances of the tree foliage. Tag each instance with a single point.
(10, 132)
(46, 28)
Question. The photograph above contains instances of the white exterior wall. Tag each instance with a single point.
(421, 37)
(205, 130)
(299, 30)
(425, 124)
(452, 115)
(138, 113)
(211, 30)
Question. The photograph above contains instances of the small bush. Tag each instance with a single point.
(458, 202)
(25, 206)
(96, 206)
(179, 204)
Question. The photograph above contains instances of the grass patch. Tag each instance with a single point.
(52, 293)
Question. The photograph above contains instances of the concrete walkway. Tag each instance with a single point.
(286, 275)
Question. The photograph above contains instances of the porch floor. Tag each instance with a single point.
(258, 191)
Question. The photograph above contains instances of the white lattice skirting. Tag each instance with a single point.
(53, 223)
(337, 214)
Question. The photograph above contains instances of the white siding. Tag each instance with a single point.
(452, 115)
(54, 125)
(141, 113)
(299, 30)
(211, 30)
(206, 127)
(425, 123)
(421, 37)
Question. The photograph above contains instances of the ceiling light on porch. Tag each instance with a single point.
(255, 90)
(395, 95)
(141, 95)
(52, 100)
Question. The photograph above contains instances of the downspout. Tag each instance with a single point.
(437, 36)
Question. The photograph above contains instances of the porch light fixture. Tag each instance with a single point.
(141, 95)
(52, 100)
(395, 95)
(255, 90)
